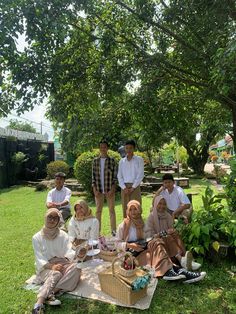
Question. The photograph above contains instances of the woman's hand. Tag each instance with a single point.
(134, 246)
(170, 231)
(57, 267)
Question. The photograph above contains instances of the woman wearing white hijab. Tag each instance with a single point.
(54, 257)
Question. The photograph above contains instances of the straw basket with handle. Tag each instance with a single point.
(127, 272)
(111, 283)
(107, 249)
(108, 256)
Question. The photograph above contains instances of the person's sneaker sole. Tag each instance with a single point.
(202, 275)
(174, 278)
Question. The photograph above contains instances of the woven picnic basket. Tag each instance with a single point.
(112, 284)
(128, 272)
(108, 256)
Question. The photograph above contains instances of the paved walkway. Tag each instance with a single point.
(210, 167)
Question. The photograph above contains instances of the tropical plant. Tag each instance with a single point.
(209, 226)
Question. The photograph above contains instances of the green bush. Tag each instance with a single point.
(83, 168)
(211, 225)
(230, 185)
(57, 166)
(219, 173)
(41, 187)
(19, 158)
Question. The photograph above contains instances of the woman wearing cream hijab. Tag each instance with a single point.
(83, 225)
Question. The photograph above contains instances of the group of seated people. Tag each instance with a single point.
(155, 243)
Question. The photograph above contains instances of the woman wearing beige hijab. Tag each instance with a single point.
(56, 269)
(83, 225)
(161, 224)
(131, 237)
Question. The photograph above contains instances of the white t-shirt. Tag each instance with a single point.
(58, 196)
(176, 198)
(102, 171)
(132, 237)
(131, 171)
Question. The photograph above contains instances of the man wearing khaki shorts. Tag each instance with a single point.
(130, 175)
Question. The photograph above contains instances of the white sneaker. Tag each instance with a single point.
(53, 301)
(188, 263)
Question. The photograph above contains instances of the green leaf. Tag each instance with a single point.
(216, 246)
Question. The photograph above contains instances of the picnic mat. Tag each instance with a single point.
(89, 286)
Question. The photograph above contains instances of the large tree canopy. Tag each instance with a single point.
(86, 55)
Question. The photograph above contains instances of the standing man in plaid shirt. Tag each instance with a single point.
(104, 178)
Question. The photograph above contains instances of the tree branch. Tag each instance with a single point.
(185, 23)
(163, 28)
(150, 58)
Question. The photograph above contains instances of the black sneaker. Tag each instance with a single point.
(113, 233)
(172, 275)
(192, 276)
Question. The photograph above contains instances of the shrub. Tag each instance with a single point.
(144, 156)
(83, 168)
(214, 158)
(210, 226)
(57, 166)
(230, 185)
(219, 173)
(19, 158)
(41, 187)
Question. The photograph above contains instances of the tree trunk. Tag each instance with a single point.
(198, 161)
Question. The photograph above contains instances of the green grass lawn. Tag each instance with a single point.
(22, 211)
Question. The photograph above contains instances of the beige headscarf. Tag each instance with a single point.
(88, 211)
(52, 233)
(161, 221)
(137, 222)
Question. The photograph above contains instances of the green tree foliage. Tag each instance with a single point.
(87, 54)
(21, 126)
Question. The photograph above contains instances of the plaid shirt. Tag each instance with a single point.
(110, 174)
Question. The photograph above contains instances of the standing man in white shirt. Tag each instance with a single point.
(59, 197)
(130, 175)
(177, 201)
(104, 180)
